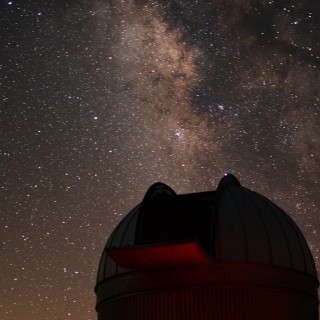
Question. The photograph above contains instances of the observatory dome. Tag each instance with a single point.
(205, 244)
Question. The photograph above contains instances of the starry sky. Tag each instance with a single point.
(102, 98)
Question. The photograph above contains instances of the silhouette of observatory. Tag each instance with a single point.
(228, 254)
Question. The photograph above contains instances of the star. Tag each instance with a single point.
(103, 98)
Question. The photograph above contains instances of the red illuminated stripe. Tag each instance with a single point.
(159, 256)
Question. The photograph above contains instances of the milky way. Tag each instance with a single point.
(100, 99)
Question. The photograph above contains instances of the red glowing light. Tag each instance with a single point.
(157, 256)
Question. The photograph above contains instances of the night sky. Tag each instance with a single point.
(100, 99)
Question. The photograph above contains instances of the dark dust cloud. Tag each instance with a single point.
(99, 99)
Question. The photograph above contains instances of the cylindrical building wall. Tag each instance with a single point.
(209, 291)
(207, 303)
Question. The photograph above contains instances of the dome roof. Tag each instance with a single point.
(230, 225)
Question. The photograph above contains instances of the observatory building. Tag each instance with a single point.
(228, 254)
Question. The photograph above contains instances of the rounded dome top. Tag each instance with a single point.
(231, 225)
(228, 180)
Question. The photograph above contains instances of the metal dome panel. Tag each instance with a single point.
(232, 224)
(250, 228)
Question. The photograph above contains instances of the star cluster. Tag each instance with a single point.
(102, 98)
